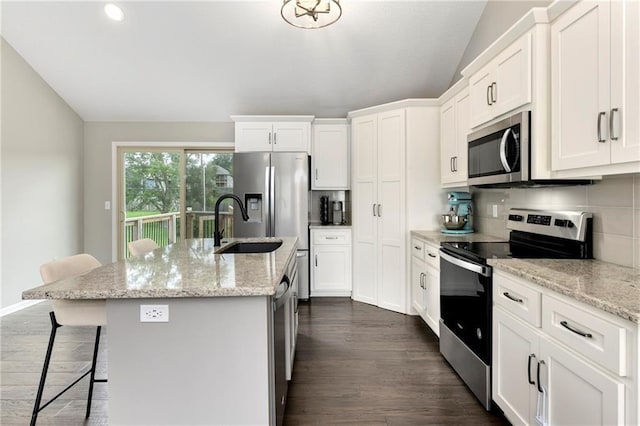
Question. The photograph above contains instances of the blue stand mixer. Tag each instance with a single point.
(459, 218)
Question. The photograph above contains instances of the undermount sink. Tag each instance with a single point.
(250, 247)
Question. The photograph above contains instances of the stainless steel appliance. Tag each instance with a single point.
(275, 190)
(499, 155)
(337, 213)
(280, 355)
(466, 284)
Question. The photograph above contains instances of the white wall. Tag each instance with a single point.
(42, 185)
(614, 201)
(497, 17)
(99, 138)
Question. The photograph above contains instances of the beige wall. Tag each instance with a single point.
(614, 201)
(42, 185)
(497, 17)
(99, 137)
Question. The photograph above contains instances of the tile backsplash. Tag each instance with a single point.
(614, 202)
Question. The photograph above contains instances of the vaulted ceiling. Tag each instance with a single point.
(207, 60)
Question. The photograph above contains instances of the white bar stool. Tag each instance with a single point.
(71, 313)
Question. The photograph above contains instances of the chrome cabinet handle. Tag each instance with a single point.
(488, 95)
(374, 209)
(510, 297)
(316, 173)
(575, 330)
(421, 280)
(269, 138)
(494, 99)
(379, 207)
(611, 133)
(274, 137)
(531, 382)
(538, 375)
(600, 115)
(451, 164)
(316, 259)
(330, 238)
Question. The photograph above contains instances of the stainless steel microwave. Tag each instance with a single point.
(498, 154)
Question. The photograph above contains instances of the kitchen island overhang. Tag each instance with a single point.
(213, 361)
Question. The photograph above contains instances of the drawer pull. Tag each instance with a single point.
(510, 297)
(417, 247)
(330, 238)
(531, 382)
(431, 255)
(575, 330)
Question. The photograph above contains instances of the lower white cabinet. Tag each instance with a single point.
(330, 262)
(538, 377)
(425, 282)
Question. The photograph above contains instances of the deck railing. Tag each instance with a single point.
(164, 228)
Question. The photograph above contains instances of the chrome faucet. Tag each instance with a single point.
(217, 235)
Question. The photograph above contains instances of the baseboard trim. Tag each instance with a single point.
(18, 306)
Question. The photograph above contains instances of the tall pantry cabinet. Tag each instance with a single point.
(395, 187)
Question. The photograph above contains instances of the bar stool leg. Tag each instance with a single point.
(93, 371)
(45, 368)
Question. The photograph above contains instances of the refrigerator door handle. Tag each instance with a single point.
(266, 215)
(272, 204)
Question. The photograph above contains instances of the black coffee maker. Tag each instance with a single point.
(324, 210)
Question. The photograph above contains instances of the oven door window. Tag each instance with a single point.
(495, 154)
(465, 307)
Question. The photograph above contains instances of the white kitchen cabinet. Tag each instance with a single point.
(330, 154)
(454, 127)
(502, 85)
(394, 187)
(272, 133)
(579, 356)
(425, 282)
(595, 80)
(331, 267)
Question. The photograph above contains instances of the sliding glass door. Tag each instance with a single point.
(168, 195)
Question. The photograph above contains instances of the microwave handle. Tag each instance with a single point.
(503, 150)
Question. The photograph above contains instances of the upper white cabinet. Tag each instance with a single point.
(502, 85)
(394, 178)
(595, 79)
(330, 154)
(272, 133)
(454, 127)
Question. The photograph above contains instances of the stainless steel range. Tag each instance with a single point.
(466, 284)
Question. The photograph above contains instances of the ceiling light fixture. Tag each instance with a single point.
(311, 14)
(114, 12)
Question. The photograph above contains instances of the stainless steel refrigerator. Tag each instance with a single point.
(274, 187)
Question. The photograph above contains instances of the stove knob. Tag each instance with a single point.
(479, 333)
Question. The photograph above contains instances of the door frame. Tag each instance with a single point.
(116, 146)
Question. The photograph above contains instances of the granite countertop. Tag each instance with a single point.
(437, 237)
(609, 287)
(330, 226)
(186, 269)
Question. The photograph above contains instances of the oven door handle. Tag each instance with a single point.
(470, 266)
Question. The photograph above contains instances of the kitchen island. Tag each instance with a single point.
(213, 360)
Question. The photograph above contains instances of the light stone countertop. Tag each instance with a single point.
(319, 226)
(606, 286)
(437, 237)
(186, 269)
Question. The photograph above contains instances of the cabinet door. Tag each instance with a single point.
(625, 81)
(364, 131)
(331, 274)
(578, 393)
(480, 96)
(253, 136)
(390, 211)
(330, 157)
(580, 86)
(418, 285)
(462, 130)
(448, 142)
(512, 77)
(514, 343)
(432, 299)
(291, 137)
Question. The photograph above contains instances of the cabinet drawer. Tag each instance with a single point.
(432, 255)
(334, 236)
(417, 248)
(589, 334)
(520, 299)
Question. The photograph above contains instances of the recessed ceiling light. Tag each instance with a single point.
(114, 12)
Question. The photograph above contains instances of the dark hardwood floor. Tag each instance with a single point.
(355, 364)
